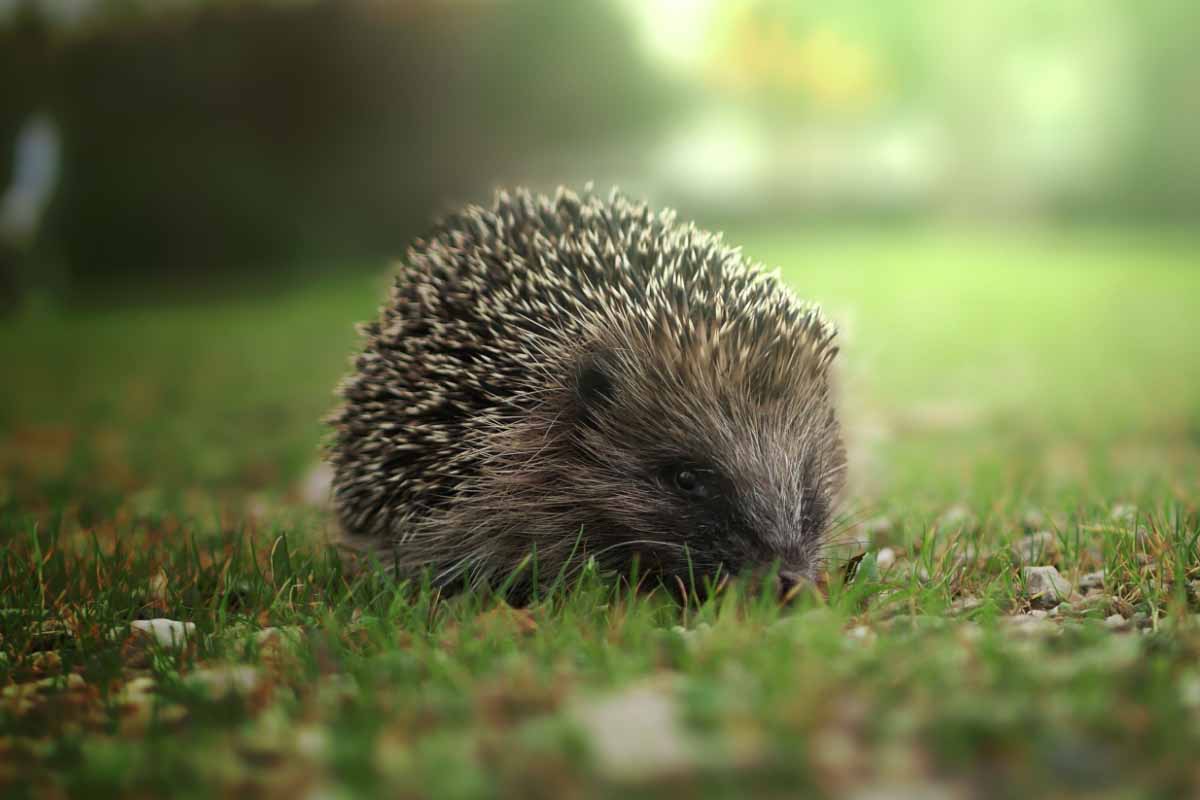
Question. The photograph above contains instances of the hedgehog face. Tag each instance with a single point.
(743, 477)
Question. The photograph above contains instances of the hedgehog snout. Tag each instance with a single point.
(789, 583)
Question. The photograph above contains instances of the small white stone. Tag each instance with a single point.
(861, 633)
(885, 558)
(637, 733)
(1116, 622)
(166, 632)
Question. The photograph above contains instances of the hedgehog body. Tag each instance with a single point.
(571, 378)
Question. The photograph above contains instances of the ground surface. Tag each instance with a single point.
(1015, 401)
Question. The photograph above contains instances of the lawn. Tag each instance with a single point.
(1014, 400)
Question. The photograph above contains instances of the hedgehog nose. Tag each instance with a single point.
(790, 583)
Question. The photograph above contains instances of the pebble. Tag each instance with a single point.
(861, 633)
(1092, 580)
(885, 558)
(1116, 622)
(166, 632)
(637, 733)
(1045, 585)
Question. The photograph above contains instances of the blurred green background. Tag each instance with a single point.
(995, 200)
(195, 138)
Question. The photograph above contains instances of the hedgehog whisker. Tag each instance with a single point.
(584, 557)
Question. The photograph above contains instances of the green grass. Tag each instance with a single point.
(994, 387)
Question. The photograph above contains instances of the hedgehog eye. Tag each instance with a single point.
(692, 482)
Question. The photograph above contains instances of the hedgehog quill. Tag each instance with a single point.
(577, 378)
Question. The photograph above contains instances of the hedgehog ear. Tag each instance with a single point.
(593, 385)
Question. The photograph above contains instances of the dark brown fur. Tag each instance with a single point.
(583, 378)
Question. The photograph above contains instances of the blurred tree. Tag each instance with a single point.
(1160, 173)
(234, 134)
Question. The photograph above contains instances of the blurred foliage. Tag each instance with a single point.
(813, 58)
(235, 134)
(1089, 106)
(1162, 168)
(202, 134)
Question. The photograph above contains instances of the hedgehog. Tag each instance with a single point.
(570, 381)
